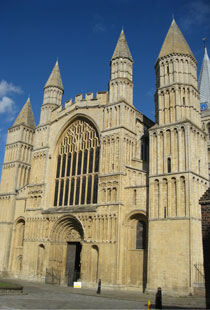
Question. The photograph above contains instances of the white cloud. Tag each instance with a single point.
(197, 12)
(6, 105)
(8, 88)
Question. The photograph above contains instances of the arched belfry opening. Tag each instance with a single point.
(77, 168)
(65, 254)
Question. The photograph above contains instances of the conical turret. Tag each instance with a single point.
(121, 81)
(122, 49)
(55, 78)
(18, 150)
(53, 94)
(177, 96)
(204, 80)
(26, 116)
(175, 42)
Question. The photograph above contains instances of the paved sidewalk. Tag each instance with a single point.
(53, 296)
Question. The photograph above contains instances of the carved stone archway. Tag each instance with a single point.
(66, 230)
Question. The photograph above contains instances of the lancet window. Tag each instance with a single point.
(76, 181)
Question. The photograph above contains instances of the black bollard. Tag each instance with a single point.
(99, 287)
(158, 299)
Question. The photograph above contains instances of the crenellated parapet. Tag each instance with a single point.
(88, 99)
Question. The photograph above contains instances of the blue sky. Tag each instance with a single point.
(83, 35)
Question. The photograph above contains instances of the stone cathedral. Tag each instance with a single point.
(99, 191)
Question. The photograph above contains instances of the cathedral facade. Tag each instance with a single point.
(99, 191)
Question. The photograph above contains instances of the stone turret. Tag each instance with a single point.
(121, 81)
(53, 93)
(17, 160)
(177, 96)
(178, 168)
(15, 174)
(26, 116)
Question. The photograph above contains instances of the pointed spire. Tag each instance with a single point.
(55, 78)
(122, 49)
(26, 116)
(204, 80)
(175, 42)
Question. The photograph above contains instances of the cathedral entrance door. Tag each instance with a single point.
(73, 262)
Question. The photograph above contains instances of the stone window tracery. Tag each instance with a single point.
(77, 165)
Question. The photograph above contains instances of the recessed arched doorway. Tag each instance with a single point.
(66, 247)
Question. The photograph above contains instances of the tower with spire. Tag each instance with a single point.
(204, 89)
(53, 94)
(204, 82)
(177, 174)
(15, 173)
(177, 96)
(17, 160)
(121, 81)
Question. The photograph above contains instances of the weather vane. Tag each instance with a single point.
(204, 42)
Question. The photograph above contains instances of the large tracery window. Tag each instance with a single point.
(76, 180)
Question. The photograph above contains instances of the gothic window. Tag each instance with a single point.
(141, 235)
(77, 169)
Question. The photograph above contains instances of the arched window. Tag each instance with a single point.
(77, 165)
(141, 235)
(19, 232)
(169, 165)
